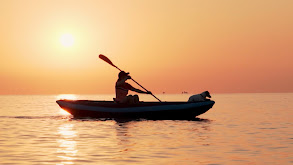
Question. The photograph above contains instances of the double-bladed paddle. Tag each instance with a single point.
(106, 59)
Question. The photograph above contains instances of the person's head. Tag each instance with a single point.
(122, 74)
(208, 94)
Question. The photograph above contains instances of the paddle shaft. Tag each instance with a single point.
(146, 90)
(109, 62)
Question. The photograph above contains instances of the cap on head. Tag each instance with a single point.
(122, 74)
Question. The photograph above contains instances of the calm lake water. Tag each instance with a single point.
(239, 129)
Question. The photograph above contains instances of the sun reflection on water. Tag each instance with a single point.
(67, 145)
(63, 112)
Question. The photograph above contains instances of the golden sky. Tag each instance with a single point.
(52, 46)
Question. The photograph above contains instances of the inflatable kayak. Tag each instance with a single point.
(147, 110)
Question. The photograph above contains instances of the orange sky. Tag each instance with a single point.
(167, 45)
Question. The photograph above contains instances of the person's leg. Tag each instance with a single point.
(130, 99)
(135, 99)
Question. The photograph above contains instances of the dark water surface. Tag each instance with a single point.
(239, 129)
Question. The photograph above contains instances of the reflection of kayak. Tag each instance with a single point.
(147, 110)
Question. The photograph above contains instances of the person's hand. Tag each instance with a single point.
(149, 92)
(128, 77)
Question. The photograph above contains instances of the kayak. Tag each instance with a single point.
(146, 110)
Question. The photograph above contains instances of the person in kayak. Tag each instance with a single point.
(122, 89)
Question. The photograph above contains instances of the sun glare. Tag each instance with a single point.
(67, 40)
(67, 97)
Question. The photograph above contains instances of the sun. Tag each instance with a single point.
(67, 40)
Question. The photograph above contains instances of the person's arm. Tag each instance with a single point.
(140, 91)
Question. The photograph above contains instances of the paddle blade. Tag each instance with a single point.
(106, 59)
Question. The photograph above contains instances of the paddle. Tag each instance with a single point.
(106, 59)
